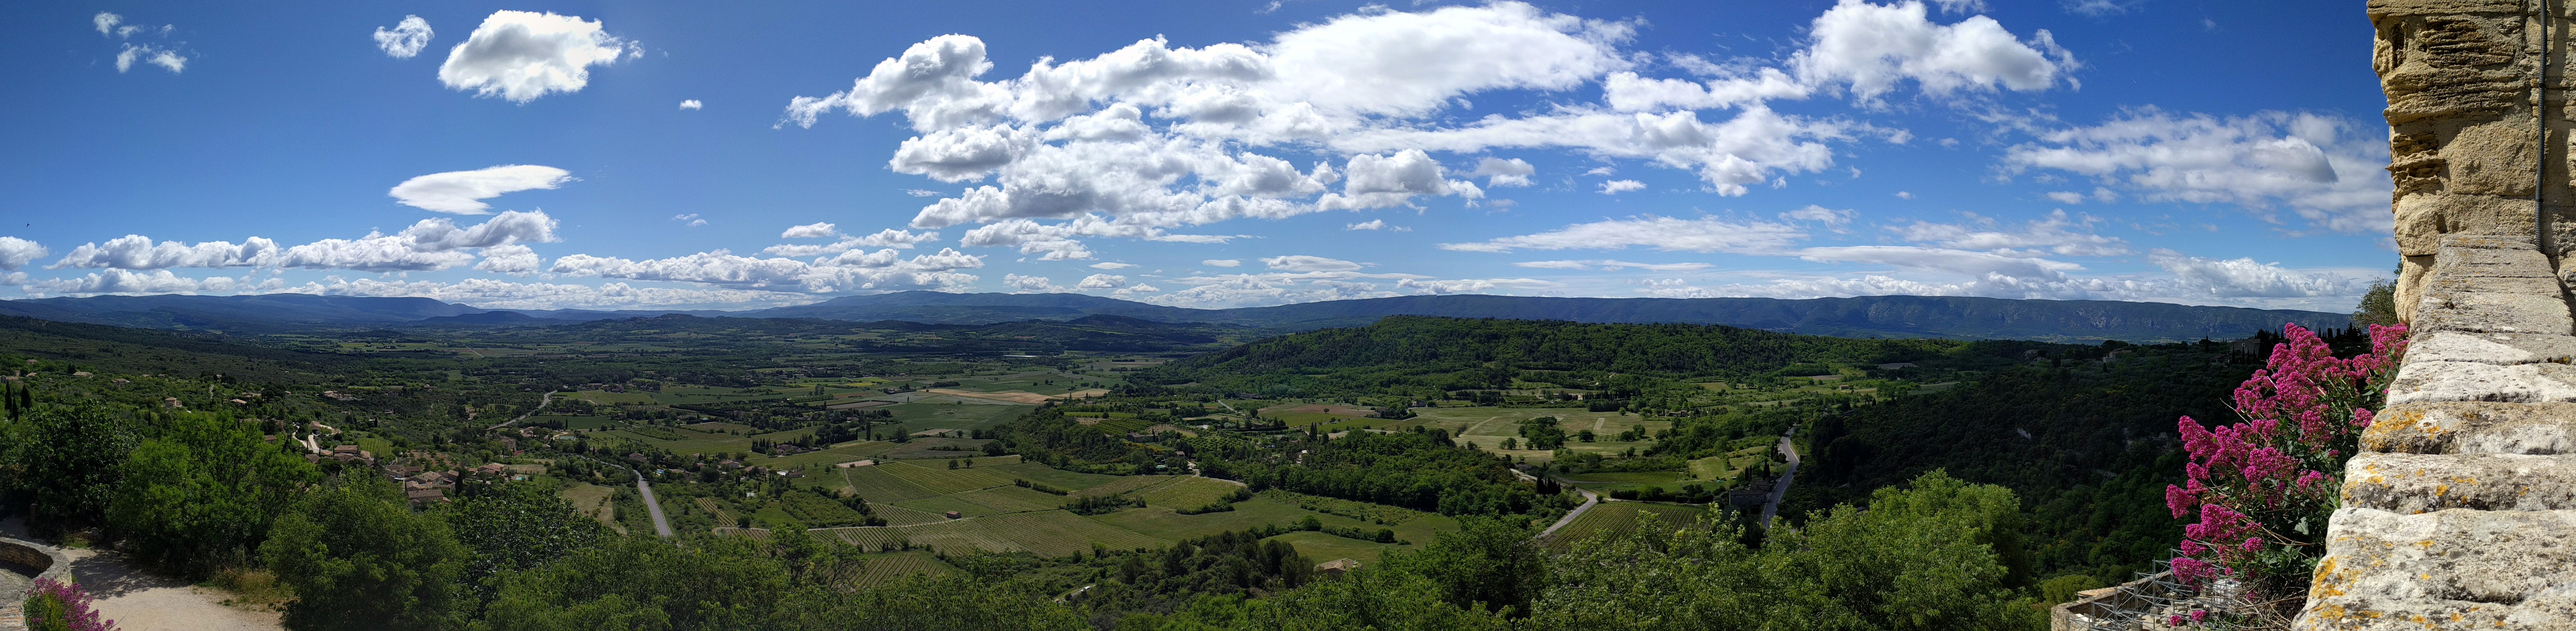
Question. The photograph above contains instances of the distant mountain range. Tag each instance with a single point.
(1866, 316)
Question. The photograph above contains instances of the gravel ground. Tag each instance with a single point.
(139, 601)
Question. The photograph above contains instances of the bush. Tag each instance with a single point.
(2264, 487)
(1101, 505)
(1041, 488)
(1219, 507)
(53, 606)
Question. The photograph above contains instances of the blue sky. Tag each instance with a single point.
(1205, 154)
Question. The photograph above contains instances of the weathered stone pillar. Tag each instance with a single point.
(2461, 78)
(2460, 510)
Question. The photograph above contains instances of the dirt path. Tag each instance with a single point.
(140, 601)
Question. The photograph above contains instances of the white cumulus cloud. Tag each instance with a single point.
(462, 192)
(1031, 284)
(854, 270)
(521, 55)
(1221, 262)
(2329, 170)
(1706, 234)
(117, 281)
(1501, 172)
(1615, 187)
(513, 259)
(1873, 47)
(16, 253)
(1101, 281)
(497, 294)
(406, 39)
(887, 238)
(692, 104)
(1310, 264)
(1152, 137)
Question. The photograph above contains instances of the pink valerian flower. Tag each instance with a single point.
(78, 611)
(2258, 481)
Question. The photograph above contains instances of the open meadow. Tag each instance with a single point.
(1488, 426)
(996, 514)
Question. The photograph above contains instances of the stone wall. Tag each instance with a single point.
(49, 563)
(2460, 512)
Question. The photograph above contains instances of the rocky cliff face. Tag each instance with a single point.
(2461, 511)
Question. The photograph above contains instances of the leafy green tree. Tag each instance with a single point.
(203, 495)
(1924, 557)
(1690, 579)
(1371, 598)
(1937, 554)
(646, 583)
(66, 459)
(515, 527)
(2378, 306)
(922, 603)
(1488, 564)
(357, 558)
(1543, 433)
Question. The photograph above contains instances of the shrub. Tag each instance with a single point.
(2265, 486)
(53, 606)
(1219, 507)
(1101, 505)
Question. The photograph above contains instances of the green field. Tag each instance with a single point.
(1488, 426)
(605, 397)
(943, 481)
(1187, 492)
(993, 501)
(890, 567)
(860, 450)
(674, 395)
(876, 485)
(1613, 518)
(1319, 547)
(1122, 485)
(590, 499)
(1050, 533)
(899, 516)
(996, 515)
(1052, 476)
(572, 422)
(680, 440)
(941, 412)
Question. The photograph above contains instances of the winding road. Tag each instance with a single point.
(549, 399)
(1781, 489)
(653, 507)
(1590, 499)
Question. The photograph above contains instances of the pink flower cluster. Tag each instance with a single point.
(2265, 485)
(56, 606)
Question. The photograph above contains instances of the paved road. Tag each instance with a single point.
(653, 507)
(541, 405)
(1782, 489)
(1590, 500)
